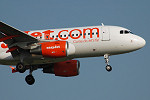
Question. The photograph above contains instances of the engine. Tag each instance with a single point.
(64, 69)
(54, 49)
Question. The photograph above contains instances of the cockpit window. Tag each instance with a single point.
(131, 32)
(125, 32)
(121, 32)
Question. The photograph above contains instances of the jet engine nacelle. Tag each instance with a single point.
(64, 69)
(54, 49)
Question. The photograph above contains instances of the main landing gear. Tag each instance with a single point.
(108, 67)
(20, 67)
(29, 78)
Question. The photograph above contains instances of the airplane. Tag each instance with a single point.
(53, 49)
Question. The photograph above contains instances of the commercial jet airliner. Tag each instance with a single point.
(53, 49)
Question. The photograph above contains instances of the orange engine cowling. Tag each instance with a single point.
(54, 49)
(64, 69)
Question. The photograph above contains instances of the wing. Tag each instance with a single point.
(15, 39)
(9, 34)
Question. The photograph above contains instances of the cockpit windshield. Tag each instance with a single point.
(125, 32)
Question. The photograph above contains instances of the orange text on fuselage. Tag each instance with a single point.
(68, 33)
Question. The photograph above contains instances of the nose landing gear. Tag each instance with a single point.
(108, 67)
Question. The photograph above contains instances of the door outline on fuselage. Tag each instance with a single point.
(105, 33)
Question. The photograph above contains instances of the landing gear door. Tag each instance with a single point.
(105, 33)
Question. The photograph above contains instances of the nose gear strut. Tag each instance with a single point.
(108, 67)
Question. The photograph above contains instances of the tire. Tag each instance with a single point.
(108, 68)
(30, 79)
(20, 67)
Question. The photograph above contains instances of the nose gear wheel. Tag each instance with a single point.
(108, 67)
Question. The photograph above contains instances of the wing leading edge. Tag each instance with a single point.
(8, 32)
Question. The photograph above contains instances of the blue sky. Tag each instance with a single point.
(129, 79)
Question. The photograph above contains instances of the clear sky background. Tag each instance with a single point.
(130, 78)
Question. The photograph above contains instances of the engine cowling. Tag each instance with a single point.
(64, 69)
(54, 49)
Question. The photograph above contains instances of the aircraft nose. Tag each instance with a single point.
(139, 42)
(142, 42)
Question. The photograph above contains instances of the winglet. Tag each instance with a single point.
(13, 69)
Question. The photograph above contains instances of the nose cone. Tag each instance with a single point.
(139, 42)
(142, 42)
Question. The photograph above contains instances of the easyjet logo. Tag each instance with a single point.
(52, 47)
(65, 34)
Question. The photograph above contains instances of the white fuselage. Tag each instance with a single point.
(89, 41)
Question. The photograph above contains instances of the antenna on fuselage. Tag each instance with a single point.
(102, 24)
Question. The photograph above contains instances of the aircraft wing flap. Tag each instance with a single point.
(18, 36)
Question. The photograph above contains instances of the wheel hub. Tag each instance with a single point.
(20, 66)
